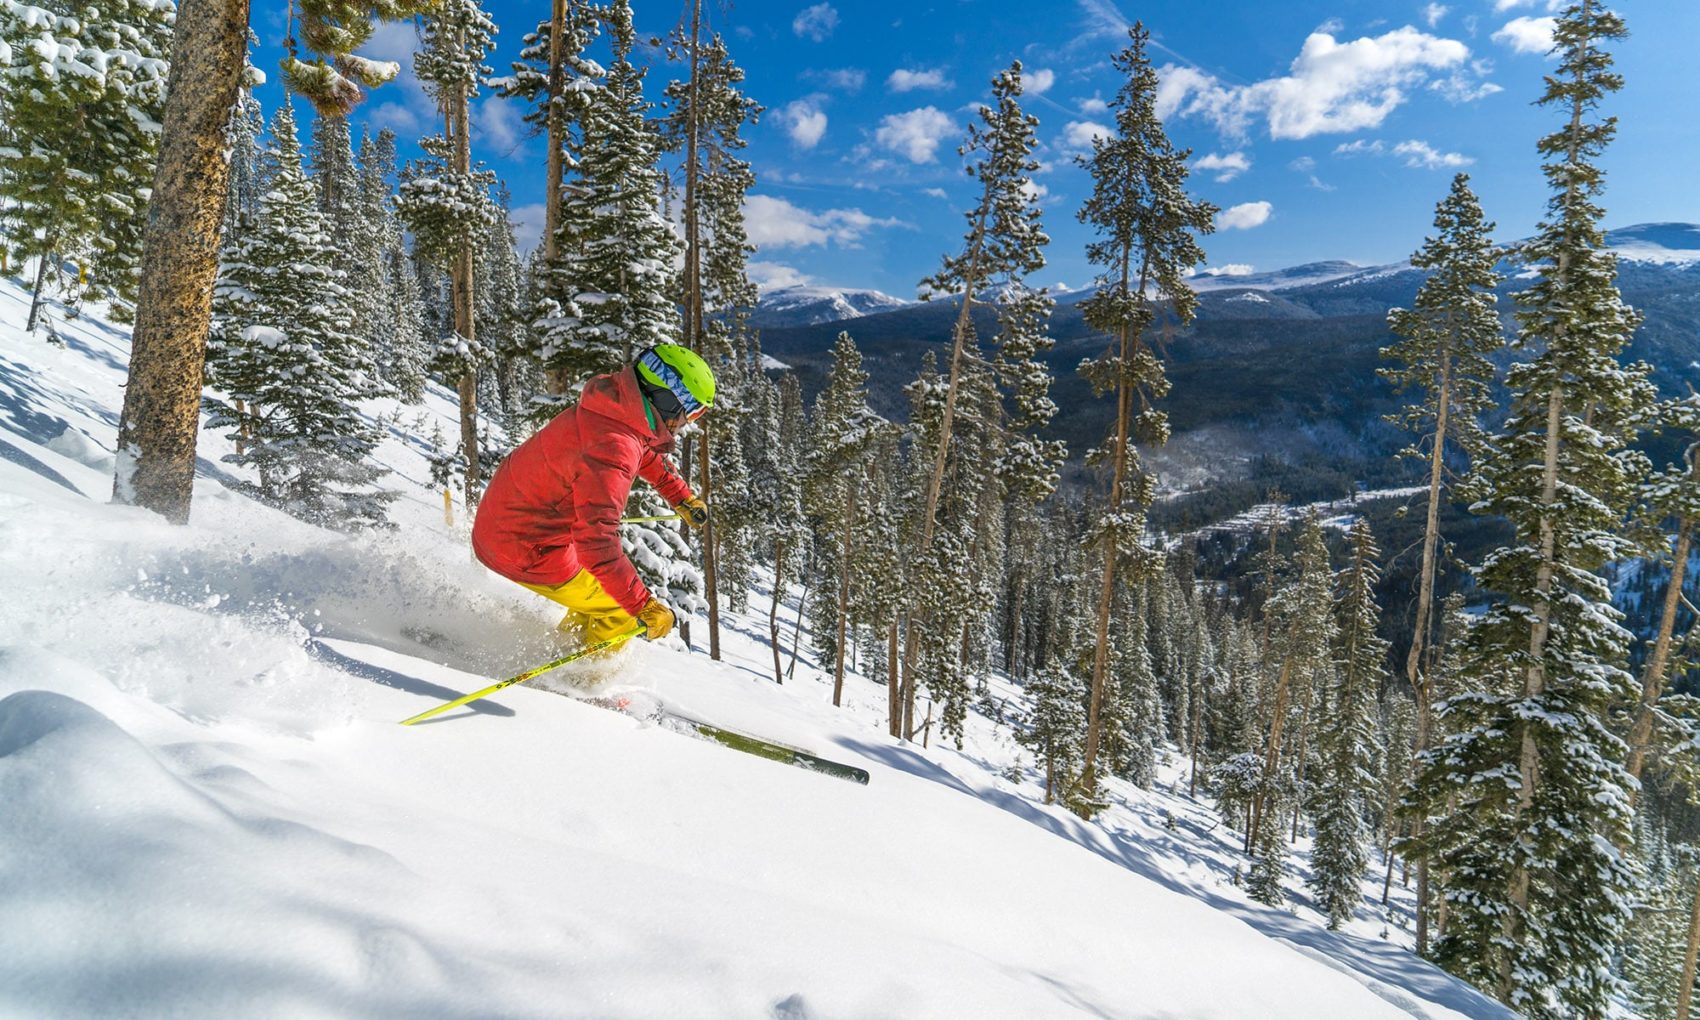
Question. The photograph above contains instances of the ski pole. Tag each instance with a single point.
(657, 517)
(523, 677)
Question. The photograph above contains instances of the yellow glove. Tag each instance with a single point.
(694, 512)
(656, 618)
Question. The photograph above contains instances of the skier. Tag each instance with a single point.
(550, 519)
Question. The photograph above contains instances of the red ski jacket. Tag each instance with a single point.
(554, 505)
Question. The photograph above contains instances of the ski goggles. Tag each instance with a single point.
(675, 400)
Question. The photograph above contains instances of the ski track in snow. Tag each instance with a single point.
(206, 808)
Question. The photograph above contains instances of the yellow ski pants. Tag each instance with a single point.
(591, 612)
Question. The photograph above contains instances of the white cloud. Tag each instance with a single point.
(1093, 105)
(1244, 216)
(1422, 154)
(1332, 87)
(1434, 12)
(1460, 88)
(776, 223)
(1078, 134)
(916, 134)
(499, 124)
(528, 223)
(904, 80)
(815, 22)
(1034, 191)
(1037, 82)
(804, 121)
(936, 193)
(1414, 152)
(769, 276)
(392, 40)
(1361, 147)
(395, 116)
(1527, 35)
(1226, 167)
(842, 79)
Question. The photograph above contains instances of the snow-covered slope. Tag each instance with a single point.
(207, 808)
(808, 306)
(1666, 244)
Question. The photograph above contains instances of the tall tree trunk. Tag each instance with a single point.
(1272, 753)
(893, 696)
(773, 613)
(1107, 589)
(1420, 627)
(1653, 678)
(162, 401)
(1685, 986)
(465, 309)
(555, 128)
(843, 597)
(35, 294)
(935, 478)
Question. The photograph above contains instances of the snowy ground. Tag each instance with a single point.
(207, 809)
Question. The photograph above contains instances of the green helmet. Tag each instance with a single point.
(676, 380)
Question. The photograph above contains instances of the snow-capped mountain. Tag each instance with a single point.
(1668, 244)
(1278, 279)
(809, 306)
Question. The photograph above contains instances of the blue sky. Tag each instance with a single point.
(1323, 130)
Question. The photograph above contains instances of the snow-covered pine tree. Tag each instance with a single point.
(247, 172)
(1145, 222)
(1658, 935)
(85, 93)
(337, 180)
(617, 251)
(843, 433)
(1003, 244)
(445, 201)
(555, 77)
(1302, 640)
(706, 115)
(1537, 890)
(1340, 801)
(281, 354)
(502, 320)
(1448, 337)
(775, 485)
(1056, 726)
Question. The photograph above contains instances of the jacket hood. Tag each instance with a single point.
(616, 396)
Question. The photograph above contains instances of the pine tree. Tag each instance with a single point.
(1658, 935)
(445, 201)
(616, 250)
(85, 92)
(1304, 631)
(247, 173)
(1448, 338)
(1145, 223)
(1537, 892)
(1004, 244)
(281, 353)
(707, 113)
(1057, 724)
(1341, 801)
(843, 433)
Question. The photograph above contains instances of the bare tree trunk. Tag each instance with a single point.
(1685, 986)
(802, 600)
(1653, 679)
(893, 696)
(1272, 754)
(1106, 591)
(162, 401)
(554, 380)
(1304, 757)
(466, 323)
(773, 613)
(35, 297)
(1197, 724)
(908, 686)
(1421, 625)
(843, 598)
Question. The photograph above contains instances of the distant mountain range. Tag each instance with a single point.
(1277, 370)
(809, 306)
